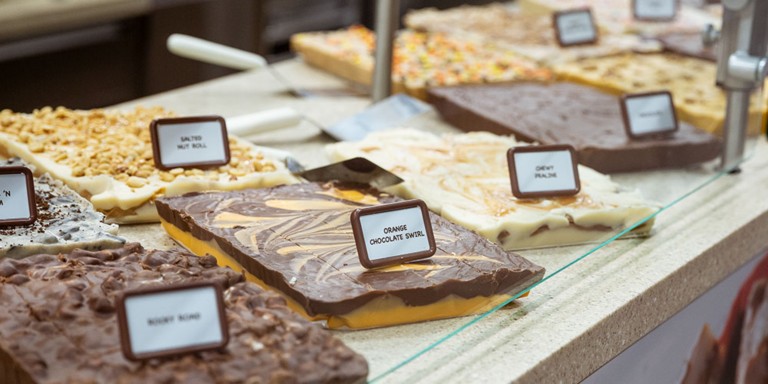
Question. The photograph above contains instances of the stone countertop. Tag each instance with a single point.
(578, 319)
(22, 18)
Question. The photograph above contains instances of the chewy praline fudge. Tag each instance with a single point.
(465, 179)
(58, 325)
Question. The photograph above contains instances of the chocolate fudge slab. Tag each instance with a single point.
(563, 113)
(59, 324)
(298, 239)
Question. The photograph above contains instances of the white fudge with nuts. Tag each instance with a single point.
(106, 156)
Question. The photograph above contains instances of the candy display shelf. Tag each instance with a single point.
(596, 299)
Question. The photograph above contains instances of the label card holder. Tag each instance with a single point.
(649, 114)
(655, 10)
(172, 320)
(574, 27)
(537, 171)
(17, 196)
(395, 233)
(190, 142)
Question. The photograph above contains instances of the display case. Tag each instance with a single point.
(652, 230)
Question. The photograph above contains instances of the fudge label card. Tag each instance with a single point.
(190, 142)
(543, 171)
(172, 320)
(574, 27)
(654, 10)
(17, 196)
(648, 114)
(394, 233)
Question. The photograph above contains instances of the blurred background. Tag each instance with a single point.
(95, 53)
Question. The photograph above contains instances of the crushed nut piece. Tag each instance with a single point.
(136, 182)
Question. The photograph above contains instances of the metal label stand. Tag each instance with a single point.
(387, 12)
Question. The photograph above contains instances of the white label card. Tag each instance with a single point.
(393, 233)
(654, 9)
(172, 321)
(575, 27)
(190, 142)
(17, 196)
(543, 171)
(649, 114)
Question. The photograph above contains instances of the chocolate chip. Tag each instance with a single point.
(64, 274)
(77, 285)
(155, 259)
(91, 261)
(17, 279)
(6, 270)
(208, 261)
(101, 304)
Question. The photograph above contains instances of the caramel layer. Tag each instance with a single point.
(379, 312)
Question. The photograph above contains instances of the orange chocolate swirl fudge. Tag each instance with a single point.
(297, 239)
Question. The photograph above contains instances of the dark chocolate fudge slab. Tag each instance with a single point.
(59, 325)
(298, 239)
(563, 113)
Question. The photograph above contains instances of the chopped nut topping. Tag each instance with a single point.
(113, 143)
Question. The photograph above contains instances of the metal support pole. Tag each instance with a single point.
(387, 12)
(734, 133)
(741, 67)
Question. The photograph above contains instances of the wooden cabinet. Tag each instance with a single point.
(86, 54)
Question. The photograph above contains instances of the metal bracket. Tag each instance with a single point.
(387, 12)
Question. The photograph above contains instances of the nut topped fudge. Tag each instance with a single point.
(59, 325)
(529, 35)
(297, 239)
(465, 179)
(106, 156)
(616, 16)
(420, 60)
(65, 221)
